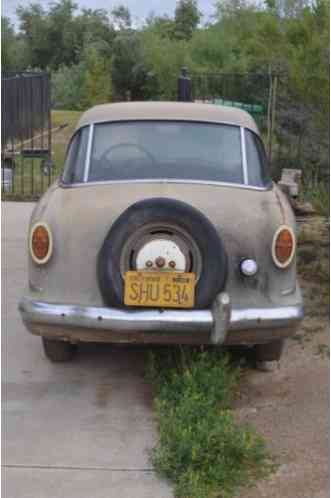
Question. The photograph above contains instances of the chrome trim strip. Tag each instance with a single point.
(169, 181)
(88, 154)
(170, 119)
(148, 320)
(243, 155)
(287, 292)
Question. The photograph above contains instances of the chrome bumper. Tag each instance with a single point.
(216, 322)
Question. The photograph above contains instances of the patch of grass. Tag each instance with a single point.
(61, 138)
(319, 196)
(58, 156)
(60, 117)
(202, 449)
(323, 350)
(29, 182)
(317, 271)
(313, 264)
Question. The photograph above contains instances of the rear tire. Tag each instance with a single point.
(159, 212)
(272, 351)
(58, 351)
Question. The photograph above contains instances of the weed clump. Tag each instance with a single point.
(202, 449)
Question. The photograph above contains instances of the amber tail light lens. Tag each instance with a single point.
(41, 244)
(283, 246)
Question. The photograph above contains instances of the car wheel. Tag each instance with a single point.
(158, 226)
(271, 351)
(58, 351)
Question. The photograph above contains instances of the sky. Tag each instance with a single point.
(139, 8)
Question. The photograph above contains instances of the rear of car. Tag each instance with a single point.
(164, 228)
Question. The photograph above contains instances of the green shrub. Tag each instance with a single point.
(318, 193)
(202, 448)
(97, 78)
(83, 85)
(67, 87)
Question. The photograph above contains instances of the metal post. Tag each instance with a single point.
(184, 86)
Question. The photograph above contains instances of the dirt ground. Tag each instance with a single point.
(290, 405)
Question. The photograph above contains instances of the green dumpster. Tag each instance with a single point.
(255, 110)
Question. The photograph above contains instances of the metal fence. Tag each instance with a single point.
(26, 141)
(293, 135)
(26, 152)
(254, 92)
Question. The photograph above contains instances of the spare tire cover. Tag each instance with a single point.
(163, 212)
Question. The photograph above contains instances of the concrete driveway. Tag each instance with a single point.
(79, 430)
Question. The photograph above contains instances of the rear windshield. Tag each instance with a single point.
(173, 150)
(140, 150)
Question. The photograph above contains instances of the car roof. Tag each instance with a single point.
(184, 111)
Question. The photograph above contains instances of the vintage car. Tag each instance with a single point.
(164, 227)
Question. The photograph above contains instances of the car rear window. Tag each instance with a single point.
(166, 150)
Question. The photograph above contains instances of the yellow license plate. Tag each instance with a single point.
(159, 289)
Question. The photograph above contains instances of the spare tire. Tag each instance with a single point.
(188, 229)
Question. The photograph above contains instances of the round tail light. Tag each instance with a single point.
(41, 244)
(283, 246)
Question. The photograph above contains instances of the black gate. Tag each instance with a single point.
(26, 143)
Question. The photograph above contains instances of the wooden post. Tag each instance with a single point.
(273, 115)
(269, 115)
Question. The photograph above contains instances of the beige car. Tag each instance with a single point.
(165, 227)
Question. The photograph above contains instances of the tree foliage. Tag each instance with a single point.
(187, 17)
(93, 55)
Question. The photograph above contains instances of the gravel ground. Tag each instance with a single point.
(290, 407)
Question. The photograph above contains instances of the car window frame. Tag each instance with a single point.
(269, 182)
(77, 132)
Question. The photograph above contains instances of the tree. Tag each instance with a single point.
(121, 17)
(62, 37)
(8, 42)
(97, 87)
(34, 28)
(187, 18)
(129, 71)
(163, 59)
(68, 87)
(164, 26)
(57, 37)
(93, 26)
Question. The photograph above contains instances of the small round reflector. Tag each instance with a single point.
(248, 267)
(40, 243)
(283, 247)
